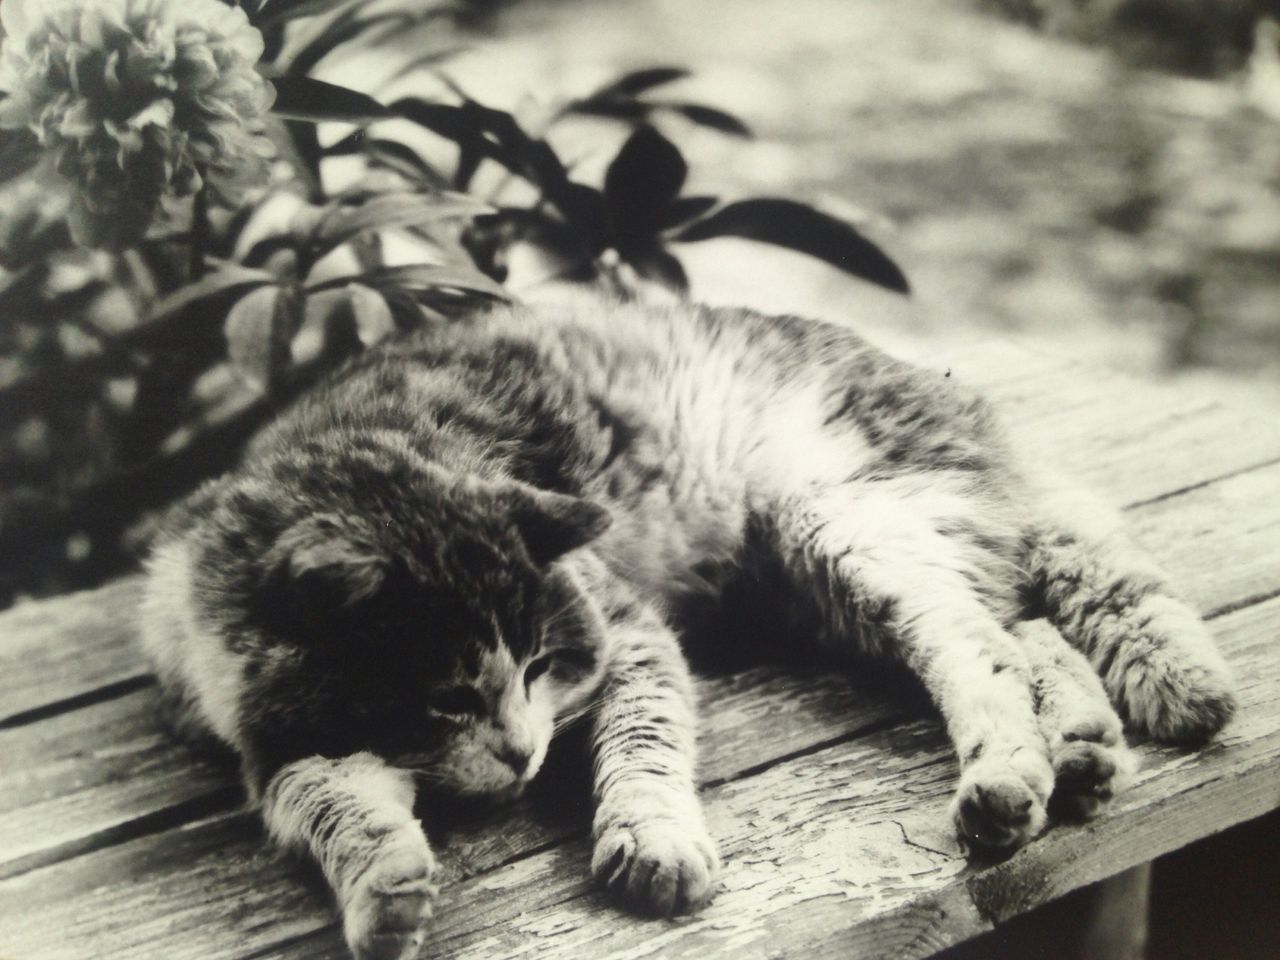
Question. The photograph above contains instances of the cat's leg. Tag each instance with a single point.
(651, 843)
(888, 579)
(355, 816)
(1155, 656)
(1086, 743)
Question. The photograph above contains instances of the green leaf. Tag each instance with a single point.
(350, 25)
(587, 217)
(423, 61)
(443, 119)
(228, 281)
(405, 161)
(259, 329)
(373, 320)
(683, 209)
(406, 312)
(312, 100)
(420, 277)
(615, 109)
(637, 82)
(484, 133)
(661, 266)
(278, 11)
(391, 210)
(711, 117)
(785, 223)
(301, 148)
(391, 154)
(642, 180)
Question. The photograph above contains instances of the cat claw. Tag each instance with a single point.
(657, 868)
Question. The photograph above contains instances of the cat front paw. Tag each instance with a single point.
(387, 909)
(998, 807)
(657, 867)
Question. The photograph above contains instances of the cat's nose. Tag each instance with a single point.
(516, 758)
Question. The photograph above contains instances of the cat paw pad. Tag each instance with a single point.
(1086, 775)
(996, 811)
(1090, 764)
(1102, 728)
(658, 868)
(387, 911)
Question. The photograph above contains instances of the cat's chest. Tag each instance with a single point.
(677, 493)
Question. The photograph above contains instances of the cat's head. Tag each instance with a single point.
(433, 622)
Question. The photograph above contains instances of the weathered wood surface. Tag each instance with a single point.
(828, 797)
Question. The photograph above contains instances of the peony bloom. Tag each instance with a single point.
(133, 100)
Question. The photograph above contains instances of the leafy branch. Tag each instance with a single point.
(141, 372)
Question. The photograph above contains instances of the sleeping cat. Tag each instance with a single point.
(470, 535)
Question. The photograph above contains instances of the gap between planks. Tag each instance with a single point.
(1198, 485)
(916, 806)
(1198, 554)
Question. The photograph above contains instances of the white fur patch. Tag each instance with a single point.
(183, 653)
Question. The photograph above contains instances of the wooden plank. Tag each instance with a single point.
(841, 851)
(88, 776)
(93, 776)
(201, 884)
(1219, 541)
(846, 852)
(104, 773)
(222, 860)
(68, 650)
(1186, 534)
(1125, 439)
(1130, 449)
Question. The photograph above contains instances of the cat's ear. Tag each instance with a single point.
(327, 563)
(552, 524)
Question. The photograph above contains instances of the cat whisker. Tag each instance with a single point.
(576, 715)
(432, 778)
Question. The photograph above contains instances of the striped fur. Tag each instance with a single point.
(474, 535)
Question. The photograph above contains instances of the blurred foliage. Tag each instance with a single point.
(129, 376)
(1197, 37)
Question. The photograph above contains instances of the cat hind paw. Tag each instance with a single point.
(1169, 680)
(657, 868)
(1090, 765)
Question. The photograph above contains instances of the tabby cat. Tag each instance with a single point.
(474, 533)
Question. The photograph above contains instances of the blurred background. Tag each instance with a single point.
(1095, 178)
(1099, 179)
(1100, 176)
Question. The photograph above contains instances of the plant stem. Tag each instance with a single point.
(199, 230)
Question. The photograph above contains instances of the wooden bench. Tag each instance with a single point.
(828, 799)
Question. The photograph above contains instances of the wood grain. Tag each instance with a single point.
(827, 794)
(861, 820)
(68, 651)
(95, 776)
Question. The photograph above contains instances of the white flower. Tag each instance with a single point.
(136, 99)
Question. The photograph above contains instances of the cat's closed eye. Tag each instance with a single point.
(459, 701)
(563, 663)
